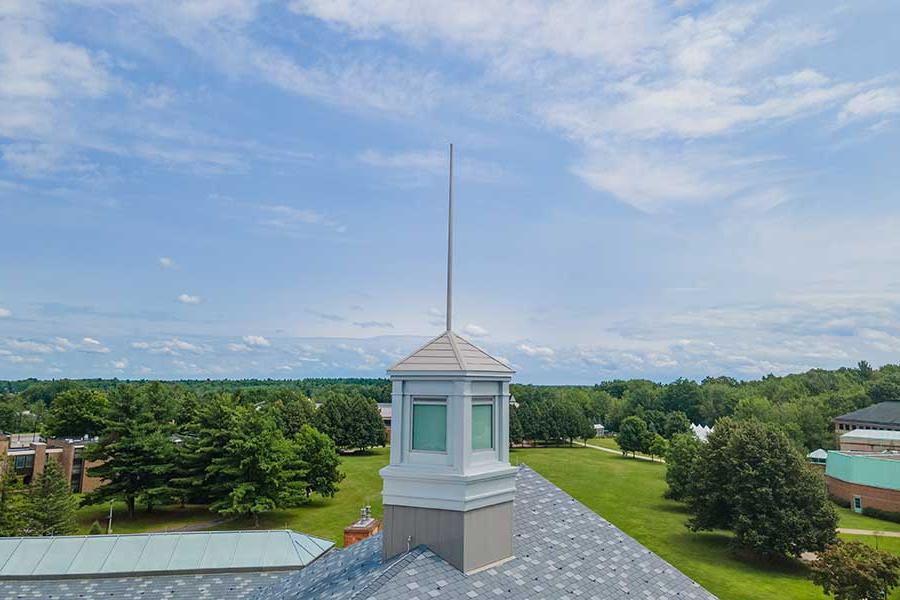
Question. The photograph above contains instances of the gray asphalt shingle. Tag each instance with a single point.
(562, 549)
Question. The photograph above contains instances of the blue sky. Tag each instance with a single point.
(231, 188)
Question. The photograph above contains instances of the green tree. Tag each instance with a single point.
(865, 370)
(13, 502)
(249, 474)
(76, 412)
(681, 459)
(752, 480)
(516, 433)
(292, 410)
(51, 504)
(885, 388)
(136, 451)
(658, 446)
(350, 419)
(318, 462)
(675, 423)
(632, 435)
(855, 571)
(683, 395)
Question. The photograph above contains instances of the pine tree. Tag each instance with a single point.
(51, 504)
(95, 529)
(248, 463)
(13, 502)
(136, 449)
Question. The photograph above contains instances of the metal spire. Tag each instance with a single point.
(450, 249)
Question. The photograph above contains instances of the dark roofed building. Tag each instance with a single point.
(884, 415)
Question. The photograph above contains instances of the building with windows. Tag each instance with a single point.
(29, 453)
(870, 440)
(865, 480)
(882, 416)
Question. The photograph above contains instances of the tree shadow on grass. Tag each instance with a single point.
(721, 544)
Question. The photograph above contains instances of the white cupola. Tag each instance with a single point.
(449, 484)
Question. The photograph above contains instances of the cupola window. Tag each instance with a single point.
(429, 425)
(482, 425)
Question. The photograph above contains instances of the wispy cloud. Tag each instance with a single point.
(166, 262)
(189, 299)
(374, 324)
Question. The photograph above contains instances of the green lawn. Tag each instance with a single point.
(629, 493)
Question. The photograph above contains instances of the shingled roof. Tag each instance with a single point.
(449, 353)
(883, 413)
(561, 549)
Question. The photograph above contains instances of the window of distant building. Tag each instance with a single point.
(77, 469)
(24, 466)
(429, 425)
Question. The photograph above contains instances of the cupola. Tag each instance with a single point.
(449, 484)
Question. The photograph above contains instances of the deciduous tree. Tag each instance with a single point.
(76, 412)
(752, 480)
(855, 571)
(632, 435)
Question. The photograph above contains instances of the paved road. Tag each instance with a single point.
(868, 532)
(619, 452)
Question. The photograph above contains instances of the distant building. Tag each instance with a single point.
(599, 430)
(870, 440)
(881, 416)
(385, 409)
(29, 454)
(865, 480)
(701, 431)
(818, 457)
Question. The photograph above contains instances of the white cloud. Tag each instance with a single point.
(238, 347)
(189, 299)
(872, 103)
(539, 351)
(173, 346)
(5, 312)
(31, 346)
(166, 263)
(89, 344)
(434, 163)
(120, 364)
(256, 340)
(475, 331)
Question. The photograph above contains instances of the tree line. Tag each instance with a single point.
(242, 452)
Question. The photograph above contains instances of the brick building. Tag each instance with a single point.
(28, 455)
(864, 479)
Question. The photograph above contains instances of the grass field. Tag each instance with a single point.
(627, 492)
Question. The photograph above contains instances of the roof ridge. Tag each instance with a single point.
(459, 356)
(388, 573)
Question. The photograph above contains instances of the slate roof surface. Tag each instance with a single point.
(231, 586)
(562, 550)
(883, 412)
(449, 352)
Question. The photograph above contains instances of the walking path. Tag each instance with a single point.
(619, 452)
(868, 532)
